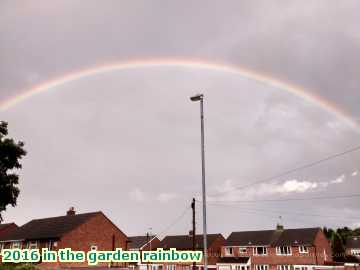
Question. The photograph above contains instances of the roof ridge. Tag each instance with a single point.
(177, 235)
(285, 229)
(82, 214)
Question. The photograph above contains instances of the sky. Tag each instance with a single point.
(127, 141)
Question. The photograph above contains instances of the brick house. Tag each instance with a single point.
(5, 229)
(353, 246)
(81, 232)
(185, 242)
(143, 242)
(139, 243)
(280, 249)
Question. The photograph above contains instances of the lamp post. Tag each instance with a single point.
(200, 97)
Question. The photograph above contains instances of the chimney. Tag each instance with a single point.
(71, 211)
(279, 227)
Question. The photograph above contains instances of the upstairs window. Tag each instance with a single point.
(303, 249)
(93, 248)
(16, 244)
(283, 267)
(171, 267)
(229, 251)
(301, 267)
(50, 244)
(32, 245)
(283, 250)
(260, 251)
(242, 250)
(261, 267)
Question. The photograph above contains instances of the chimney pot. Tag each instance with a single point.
(71, 211)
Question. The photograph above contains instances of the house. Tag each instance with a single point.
(353, 246)
(5, 229)
(280, 249)
(81, 232)
(185, 242)
(139, 243)
(143, 242)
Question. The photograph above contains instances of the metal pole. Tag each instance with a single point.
(203, 182)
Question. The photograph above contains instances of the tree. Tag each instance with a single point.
(10, 154)
(338, 249)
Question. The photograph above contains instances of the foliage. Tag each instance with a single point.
(10, 154)
(337, 246)
(11, 266)
(337, 238)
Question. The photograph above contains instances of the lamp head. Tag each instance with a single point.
(197, 97)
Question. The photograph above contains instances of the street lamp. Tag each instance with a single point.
(200, 97)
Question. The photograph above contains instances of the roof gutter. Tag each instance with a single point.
(16, 240)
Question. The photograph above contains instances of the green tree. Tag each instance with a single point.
(338, 249)
(10, 154)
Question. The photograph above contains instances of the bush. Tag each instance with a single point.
(12, 266)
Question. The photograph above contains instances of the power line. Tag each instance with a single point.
(286, 212)
(312, 164)
(290, 199)
(167, 228)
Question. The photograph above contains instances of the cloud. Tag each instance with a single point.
(230, 191)
(166, 197)
(355, 173)
(339, 180)
(137, 195)
(295, 186)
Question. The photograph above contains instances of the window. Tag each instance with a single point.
(93, 247)
(355, 252)
(283, 250)
(16, 244)
(260, 250)
(261, 267)
(229, 251)
(283, 267)
(154, 267)
(303, 249)
(50, 245)
(299, 267)
(242, 250)
(239, 267)
(32, 245)
(170, 267)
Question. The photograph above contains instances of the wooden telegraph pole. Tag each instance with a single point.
(193, 229)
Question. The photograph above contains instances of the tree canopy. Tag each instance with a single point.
(10, 154)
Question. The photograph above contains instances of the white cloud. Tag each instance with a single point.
(355, 173)
(338, 180)
(137, 195)
(295, 186)
(166, 197)
(230, 192)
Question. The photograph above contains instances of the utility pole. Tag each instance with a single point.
(147, 241)
(193, 229)
(200, 97)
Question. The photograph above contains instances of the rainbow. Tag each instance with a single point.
(135, 64)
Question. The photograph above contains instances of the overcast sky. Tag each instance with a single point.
(127, 142)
